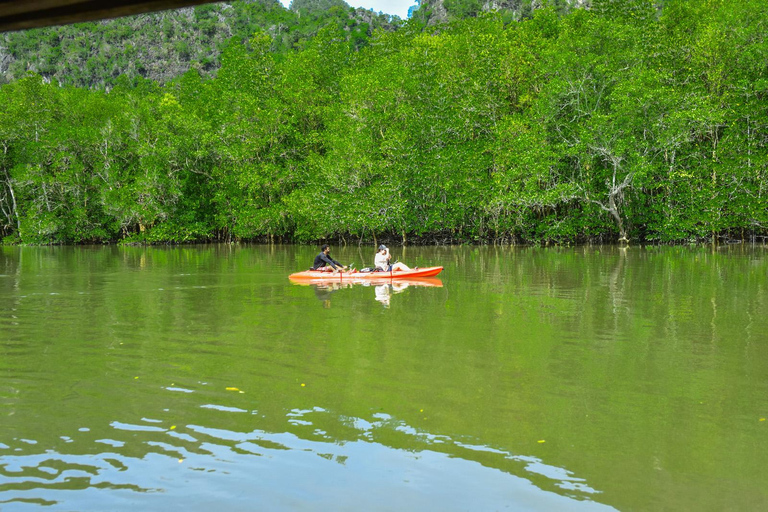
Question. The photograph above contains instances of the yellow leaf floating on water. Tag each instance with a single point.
(181, 460)
(232, 389)
(542, 441)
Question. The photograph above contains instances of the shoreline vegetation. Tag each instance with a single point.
(720, 242)
(630, 122)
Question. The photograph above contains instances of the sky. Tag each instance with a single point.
(396, 7)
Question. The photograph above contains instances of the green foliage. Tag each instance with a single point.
(162, 46)
(624, 121)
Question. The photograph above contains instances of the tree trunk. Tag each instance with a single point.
(614, 211)
(13, 201)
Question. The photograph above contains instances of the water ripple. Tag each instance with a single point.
(164, 469)
(181, 390)
(222, 408)
(136, 428)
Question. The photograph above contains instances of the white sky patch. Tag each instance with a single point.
(396, 7)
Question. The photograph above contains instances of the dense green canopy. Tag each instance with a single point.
(595, 125)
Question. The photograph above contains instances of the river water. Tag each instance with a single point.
(200, 378)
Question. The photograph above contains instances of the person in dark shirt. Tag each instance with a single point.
(324, 258)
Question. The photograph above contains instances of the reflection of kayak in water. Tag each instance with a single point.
(350, 280)
(383, 288)
(315, 276)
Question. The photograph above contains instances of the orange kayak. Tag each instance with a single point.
(351, 281)
(320, 275)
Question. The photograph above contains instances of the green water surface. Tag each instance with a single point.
(201, 378)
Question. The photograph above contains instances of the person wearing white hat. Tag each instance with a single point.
(381, 261)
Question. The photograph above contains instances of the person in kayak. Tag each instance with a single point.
(381, 261)
(324, 258)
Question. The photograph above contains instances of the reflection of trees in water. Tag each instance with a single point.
(627, 354)
(616, 285)
(689, 298)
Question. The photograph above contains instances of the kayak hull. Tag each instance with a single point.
(434, 282)
(324, 276)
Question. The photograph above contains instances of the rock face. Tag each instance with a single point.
(433, 12)
(163, 45)
(5, 60)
